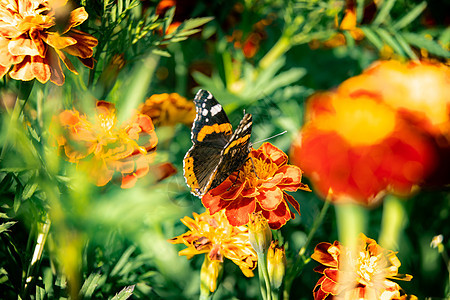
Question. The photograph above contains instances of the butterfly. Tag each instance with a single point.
(217, 151)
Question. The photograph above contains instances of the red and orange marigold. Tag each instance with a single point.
(365, 273)
(101, 147)
(365, 139)
(260, 185)
(33, 43)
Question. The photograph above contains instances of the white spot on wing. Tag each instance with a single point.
(216, 109)
(205, 112)
(209, 96)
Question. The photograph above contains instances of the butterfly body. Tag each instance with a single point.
(217, 151)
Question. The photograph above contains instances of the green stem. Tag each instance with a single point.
(393, 222)
(281, 47)
(275, 294)
(351, 221)
(301, 259)
(262, 268)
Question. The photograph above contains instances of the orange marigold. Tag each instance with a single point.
(214, 236)
(102, 147)
(363, 274)
(361, 148)
(260, 185)
(169, 109)
(33, 44)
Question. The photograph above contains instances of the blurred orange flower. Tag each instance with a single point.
(260, 185)
(359, 144)
(33, 44)
(102, 147)
(169, 109)
(419, 90)
(214, 236)
(365, 273)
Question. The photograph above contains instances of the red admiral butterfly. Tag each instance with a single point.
(216, 151)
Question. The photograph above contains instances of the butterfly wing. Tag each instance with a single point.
(211, 132)
(235, 153)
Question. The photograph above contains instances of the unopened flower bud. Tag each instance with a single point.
(210, 275)
(276, 264)
(260, 234)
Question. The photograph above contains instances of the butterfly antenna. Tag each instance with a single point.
(270, 137)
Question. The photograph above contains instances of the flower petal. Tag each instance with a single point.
(292, 201)
(214, 203)
(278, 217)
(22, 46)
(269, 199)
(84, 44)
(275, 154)
(77, 16)
(238, 211)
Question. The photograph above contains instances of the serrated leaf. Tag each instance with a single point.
(29, 190)
(17, 198)
(421, 42)
(3, 216)
(410, 16)
(195, 22)
(384, 12)
(5, 226)
(405, 46)
(389, 40)
(123, 260)
(161, 53)
(125, 293)
(90, 284)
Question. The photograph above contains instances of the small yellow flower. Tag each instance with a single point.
(214, 236)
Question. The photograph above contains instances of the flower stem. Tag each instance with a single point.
(282, 46)
(393, 222)
(301, 259)
(262, 270)
(351, 221)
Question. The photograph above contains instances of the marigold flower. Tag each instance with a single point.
(102, 147)
(214, 236)
(260, 185)
(420, 90)
(169, 109)
(33, 43)
(365, 273)
(361, 148)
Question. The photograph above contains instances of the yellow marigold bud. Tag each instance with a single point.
(260, 234)
(276, 264)
(210, 274)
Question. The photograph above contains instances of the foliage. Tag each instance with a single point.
(63, 237)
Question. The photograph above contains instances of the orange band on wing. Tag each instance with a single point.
(189, 174)
(222, 128)
(237, 142)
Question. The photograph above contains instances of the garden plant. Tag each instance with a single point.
(243, 149)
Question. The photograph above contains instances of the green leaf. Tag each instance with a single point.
(161, 52)
(5, 226)
(405, 46)
(373, 37)
(90, 284)
(29, 190)
(359, 10)
(410, 16)
(17, 197)
(387, 37)
(125, 293)
(123, 260)
(194, 23)
(422, 42)
(384, 12)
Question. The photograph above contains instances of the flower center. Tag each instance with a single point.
(367, 266)
(256, 170)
